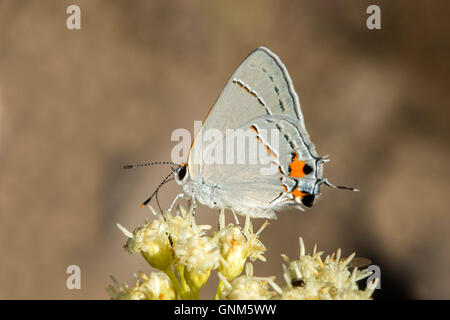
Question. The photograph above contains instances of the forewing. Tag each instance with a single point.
(260, 86)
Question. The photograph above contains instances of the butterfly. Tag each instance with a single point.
(260, 102)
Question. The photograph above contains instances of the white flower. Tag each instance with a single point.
(152, 241)
(156, 287)
(310, 277)
(237, 245)
(249, 287)
(198, 255)
(182, 225)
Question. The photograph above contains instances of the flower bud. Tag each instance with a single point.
(152, 241)
(156, 287)
(236, 246)
(249, 287)
(199, 255)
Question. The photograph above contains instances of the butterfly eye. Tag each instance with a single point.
(308, 200)
(182, 173)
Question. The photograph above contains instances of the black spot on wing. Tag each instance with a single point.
(308, 200)
(307, 169)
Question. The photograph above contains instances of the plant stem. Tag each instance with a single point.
(184, 285)
(181, 291)
(196, 294)
(219, 291)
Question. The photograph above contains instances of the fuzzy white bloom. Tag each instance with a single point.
(154, 240)
(197, 256)
(182, 225)
(236, 245)
(197, 253)
(249, 287)
(255, 247)
(157, 286)
(310, 277)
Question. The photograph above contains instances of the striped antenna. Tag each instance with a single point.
(141, 165)
(155, 193)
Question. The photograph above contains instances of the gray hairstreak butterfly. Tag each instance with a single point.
(258, 99)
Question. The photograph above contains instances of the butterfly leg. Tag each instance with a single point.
(194, 205)
(236, 219)
(178, 196)
(238, 224)
(219, 225)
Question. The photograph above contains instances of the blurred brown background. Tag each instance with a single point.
(75, 105)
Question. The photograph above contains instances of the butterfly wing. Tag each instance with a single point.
(259, 95)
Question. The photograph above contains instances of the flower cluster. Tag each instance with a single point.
(156, 287)
(311, 277)
(185, 254)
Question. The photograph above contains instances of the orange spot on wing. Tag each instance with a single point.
(296, 167)
(297, 193)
